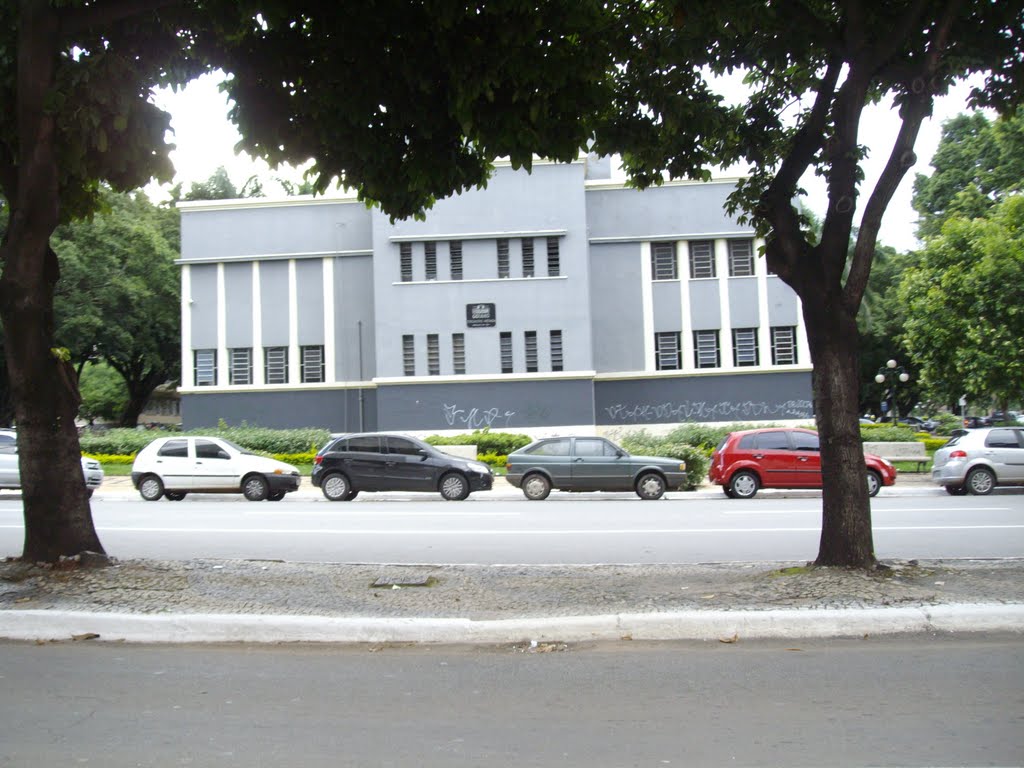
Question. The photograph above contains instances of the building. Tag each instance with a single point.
(550, 301)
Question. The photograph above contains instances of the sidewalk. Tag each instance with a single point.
(274, 602)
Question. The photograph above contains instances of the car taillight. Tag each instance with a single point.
(508, 466)
(318, 459)
(958, 455)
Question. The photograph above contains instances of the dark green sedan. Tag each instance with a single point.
(590, 464)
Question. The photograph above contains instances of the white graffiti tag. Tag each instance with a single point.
(475, 418)
(703, 410)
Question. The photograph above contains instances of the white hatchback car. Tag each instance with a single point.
(10, 471)
(176, 466)
(978, 460)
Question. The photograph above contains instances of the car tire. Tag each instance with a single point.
(874, 483)
(744, 485)
(275, 496)
(174, 495)
(536, 487)
(980, 481)
(728, 492)
(255, 487)
(335, 487)
(650, 486)
(956, 490)
(351, 495)
(151, 488)
(454, 487)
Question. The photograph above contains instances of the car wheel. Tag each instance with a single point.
(874, 483)
(454, 487)
(536, 487)
(151, 488)
(275, 496)
(335, 487)
(980, 482)
(255, 488)
(744, 485)
(728, 492)
(650, 486)
(174, 495)
(956, 490)
(351, 495)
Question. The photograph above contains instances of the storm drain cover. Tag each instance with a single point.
(404, 581)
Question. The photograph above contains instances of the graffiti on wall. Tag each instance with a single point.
(476, 418)
(704, 410)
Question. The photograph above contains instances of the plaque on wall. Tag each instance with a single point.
(480, 316)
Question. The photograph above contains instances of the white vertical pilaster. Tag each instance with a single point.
(722, 270)
(686, 320)
(187, 372)
(647, 302)
(764, 325)
(294, 361)
(259, 374)
(329, 344)
(223, 363)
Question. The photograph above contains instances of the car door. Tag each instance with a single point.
(216, 467)
(174, 464)
(775, 460)
(1004, 449)
(598, 466)
(806, 459)
(407, 468)
(365, 463)
(10, 474)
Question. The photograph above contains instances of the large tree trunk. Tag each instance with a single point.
(44, 387)
(846, 538)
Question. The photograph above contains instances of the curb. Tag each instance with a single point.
(728, 626)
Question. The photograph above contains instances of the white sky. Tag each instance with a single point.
(205, 140)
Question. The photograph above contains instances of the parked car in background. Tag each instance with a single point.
(590, 464)
(977, 422)
(174, 467)
(378, 461)
(10, 471)
(978, 460)
(749, 460)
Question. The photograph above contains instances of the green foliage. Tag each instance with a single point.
(697, 457)
(498, 443)
(495, 461)
(947, 423)
(103, 393)
(293, 442)
(886, 433)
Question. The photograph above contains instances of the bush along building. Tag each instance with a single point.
(548, 302)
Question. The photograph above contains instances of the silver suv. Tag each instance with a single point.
(980, 459)
(10, 471)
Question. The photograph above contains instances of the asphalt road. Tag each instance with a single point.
(874, 701)
(567, 529)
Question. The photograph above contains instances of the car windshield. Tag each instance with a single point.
(237, 447)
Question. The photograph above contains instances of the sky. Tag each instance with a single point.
(205, 140)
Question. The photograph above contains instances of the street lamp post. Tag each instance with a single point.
(894, 371)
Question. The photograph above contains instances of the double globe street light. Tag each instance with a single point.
(896, 373)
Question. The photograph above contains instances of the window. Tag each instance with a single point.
(207, 449)
(433, 355)
(365, 444)
(557, 447)
(784, 345)
(312, 369)
(503, 270)
(663, 261)
(556, 351)
(527, 258)
(702, 259)
(772, 441)
(240, 371)
(666, 351)
(405, 253)
(804, 441)
(175, 449)
(275, 365)
(455, 259)
(430, 260)
(506, 352)
(593, 446)
(553, 265)
(205, 367)
(459, 352)
(741, 258)
(744, 346)
(403, 446)
(409, 355)
(705, 349)
(1002, 438)
(530, 340)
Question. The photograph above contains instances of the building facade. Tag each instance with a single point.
(550, 301)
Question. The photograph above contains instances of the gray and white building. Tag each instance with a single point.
(550, 301)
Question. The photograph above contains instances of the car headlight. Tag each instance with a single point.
(480, 467)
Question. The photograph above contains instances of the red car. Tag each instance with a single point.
(780, 458)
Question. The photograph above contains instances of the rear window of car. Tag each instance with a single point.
(550, 448)
(776, 441)
(174, 448)
(365, 444)
(1002, 438)
(593, 447)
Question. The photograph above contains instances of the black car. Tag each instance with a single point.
(378, 461)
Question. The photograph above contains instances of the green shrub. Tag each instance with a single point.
(485, 441)
(110, 459)
(947, 423)
(495, 461)
(934, 443)
(128, 442)
(697, 458)
(886, 433)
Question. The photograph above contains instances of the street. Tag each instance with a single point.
(566, 529)
(899, 701)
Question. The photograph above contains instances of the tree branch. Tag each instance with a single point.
(79, 19)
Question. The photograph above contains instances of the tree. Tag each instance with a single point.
(118, 299)
(965, 307)
(405, 101)
(812, 67)
(977, 163)
(104, 394)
